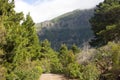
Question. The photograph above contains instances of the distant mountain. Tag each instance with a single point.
(70, 28)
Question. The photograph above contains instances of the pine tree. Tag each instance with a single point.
(106, 22)
(49, 58)
(66, 56)
(75, 49)
(19, 46)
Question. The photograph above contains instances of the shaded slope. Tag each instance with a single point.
(70, 28)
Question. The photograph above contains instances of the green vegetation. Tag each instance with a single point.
(24, 57)
(70, 28)
(49, 58)
(90, 72)
(106, 22)
(19, 45)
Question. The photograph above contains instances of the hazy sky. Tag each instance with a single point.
(42, 10)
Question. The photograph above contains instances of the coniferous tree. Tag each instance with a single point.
(66, 56)
(75, 49)
(49, 58)
(63, 55)
(19, 46)
(106, 22)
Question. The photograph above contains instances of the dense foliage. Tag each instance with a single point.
(70, 28)
(106, 22)
(19, 45)
(24, 57)
(49, 58)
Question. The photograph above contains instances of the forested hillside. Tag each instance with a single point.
(70, 28)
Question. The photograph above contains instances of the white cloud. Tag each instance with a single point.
(43, 10)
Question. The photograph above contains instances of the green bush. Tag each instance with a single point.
(75, 49)
(25, 71)
(115, 50)
(90, 72)
(112, 70)
(33, 74)
(56, 66)
(72, 70)
(51, 65)
(2, 73)
(45, 64)
(49, 59)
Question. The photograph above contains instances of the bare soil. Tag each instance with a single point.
(53, 77)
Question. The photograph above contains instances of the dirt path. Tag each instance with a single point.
(53, 77)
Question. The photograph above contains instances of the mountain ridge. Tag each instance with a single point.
(71, 26)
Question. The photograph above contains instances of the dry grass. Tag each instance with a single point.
(85, 56)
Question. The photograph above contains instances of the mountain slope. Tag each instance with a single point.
(70, 28)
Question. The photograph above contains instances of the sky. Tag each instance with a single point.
(42, 10)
